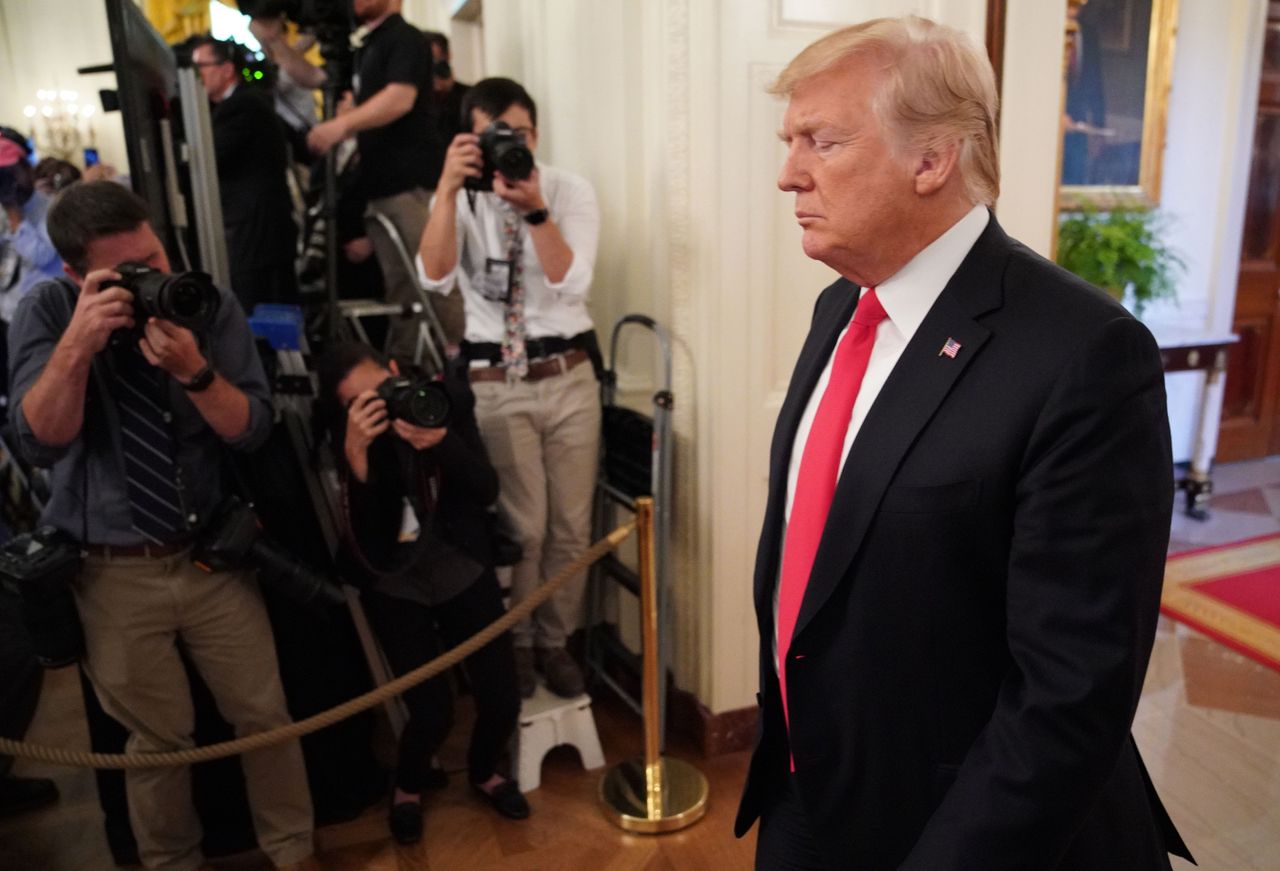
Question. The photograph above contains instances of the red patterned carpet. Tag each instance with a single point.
(1230, 592)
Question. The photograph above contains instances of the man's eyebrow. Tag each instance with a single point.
(807, 127)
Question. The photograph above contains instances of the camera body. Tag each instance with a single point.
(417, 400)
(504, 151)
(233, 540)
(40, 567)
(188, 299)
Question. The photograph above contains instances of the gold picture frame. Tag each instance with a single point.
(1111, 143)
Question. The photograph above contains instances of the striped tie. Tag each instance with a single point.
(147, 442)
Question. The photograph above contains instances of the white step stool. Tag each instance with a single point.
(548, 720)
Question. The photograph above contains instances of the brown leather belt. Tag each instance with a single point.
(153, 551)
(557, 364)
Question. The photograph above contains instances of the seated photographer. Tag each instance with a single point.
(132, 413)
(430, 583)
(522, 245)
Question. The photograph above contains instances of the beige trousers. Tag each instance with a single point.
(409, 212)
(543, 439)
(135, 610)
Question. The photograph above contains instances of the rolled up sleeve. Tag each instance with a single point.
(235, 357)
(444, 284)
(33, 334)
(577, 214)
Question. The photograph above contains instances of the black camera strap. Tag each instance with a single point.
(428, 484)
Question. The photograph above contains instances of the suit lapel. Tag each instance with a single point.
(910, 397)
(833, 311)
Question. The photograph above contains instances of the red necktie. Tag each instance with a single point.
(819, 471)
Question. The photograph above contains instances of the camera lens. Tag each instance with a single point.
(428, 406)
(186, 299)
(514, 160)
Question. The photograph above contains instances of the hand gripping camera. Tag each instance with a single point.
(188, 299)
(504, 151)
(417, 400)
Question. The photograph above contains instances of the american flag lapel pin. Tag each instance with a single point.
(950, 349)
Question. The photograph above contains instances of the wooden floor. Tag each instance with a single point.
(1208, 726)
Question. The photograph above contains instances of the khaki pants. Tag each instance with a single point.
(409, 212)
(543, 439)
(134, 611)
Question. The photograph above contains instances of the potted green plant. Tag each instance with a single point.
(1121, 251)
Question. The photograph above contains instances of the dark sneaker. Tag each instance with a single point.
(564, 678)
(405, 822)
(525, 677)
(21, 794)
(506, 799)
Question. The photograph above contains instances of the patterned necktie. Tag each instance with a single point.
(515, 357)
(146, 439)
(819, 471)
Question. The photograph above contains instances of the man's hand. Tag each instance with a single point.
(267, 30)
(98, 314)
(420, 437)
(366, 420)
(524, 195)
(358, 250)
(171, 348)
(327, 134)
(463, 160)
(345, 104)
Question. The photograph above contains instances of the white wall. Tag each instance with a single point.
(1031, 106)
(41, 45)
(1212, 104)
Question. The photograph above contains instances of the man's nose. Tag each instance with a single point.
(793, 176)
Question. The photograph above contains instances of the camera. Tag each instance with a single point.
(418, 400)
(188, 299)
(504, 151)
(233, 540)
(40, 567)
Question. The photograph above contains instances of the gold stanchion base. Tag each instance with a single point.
(624, 793)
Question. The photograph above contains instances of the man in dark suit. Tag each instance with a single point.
(969, 498)
(253, 159)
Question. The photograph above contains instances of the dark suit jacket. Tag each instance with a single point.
(249, 144)
(972, 642)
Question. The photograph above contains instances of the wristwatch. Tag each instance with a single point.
(200, 381)
(536, 217)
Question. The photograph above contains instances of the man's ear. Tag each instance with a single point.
(936, 167)
(73, 275)
(394, 367)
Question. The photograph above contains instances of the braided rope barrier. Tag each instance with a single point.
(260, 740)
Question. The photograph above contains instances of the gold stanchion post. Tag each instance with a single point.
(652, 794)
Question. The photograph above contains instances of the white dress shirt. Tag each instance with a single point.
(550, 308)
(906, 297)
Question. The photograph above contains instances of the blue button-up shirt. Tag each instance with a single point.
(37, 258)
(93, 462)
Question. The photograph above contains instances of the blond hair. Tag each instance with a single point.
(938, 88)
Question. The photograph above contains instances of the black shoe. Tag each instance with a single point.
(21, 794)
(564, 678)
(506, 799)
(405, 822)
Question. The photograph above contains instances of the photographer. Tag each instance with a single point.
(393, 124)
(132, 413)
(429, 577)
(523, 254)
